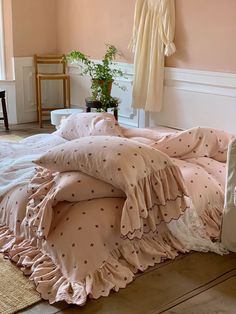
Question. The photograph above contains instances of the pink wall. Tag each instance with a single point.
(34, 27)
(205, 30)
(88, 25)
(205, 35)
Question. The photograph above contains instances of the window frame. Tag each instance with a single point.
(2, 50)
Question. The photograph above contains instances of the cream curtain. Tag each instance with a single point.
(153, 34)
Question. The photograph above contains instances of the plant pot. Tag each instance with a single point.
(105, 85)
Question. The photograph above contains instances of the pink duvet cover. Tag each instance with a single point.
(84, 253)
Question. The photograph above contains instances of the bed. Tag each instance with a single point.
(85, 208)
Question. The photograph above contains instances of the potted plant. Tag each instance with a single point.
(102, 76)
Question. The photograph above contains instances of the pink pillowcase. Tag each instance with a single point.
(87, 124)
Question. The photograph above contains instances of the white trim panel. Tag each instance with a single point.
(198, 98)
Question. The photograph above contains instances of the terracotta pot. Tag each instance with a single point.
(102, 82)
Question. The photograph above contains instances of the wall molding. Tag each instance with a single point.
(193, 98)
(217, 83)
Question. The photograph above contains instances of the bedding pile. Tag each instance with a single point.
(93, 204)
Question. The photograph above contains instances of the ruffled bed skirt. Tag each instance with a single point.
(116, 272)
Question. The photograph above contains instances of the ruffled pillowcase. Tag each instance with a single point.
(87, 124)
(152, 184)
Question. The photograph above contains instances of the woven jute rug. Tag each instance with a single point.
(10, 137)
(16, 291)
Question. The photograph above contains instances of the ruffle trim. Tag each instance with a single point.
(212, 219)
(115, 273)
(159, 197)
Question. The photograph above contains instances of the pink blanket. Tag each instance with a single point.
(80, 250)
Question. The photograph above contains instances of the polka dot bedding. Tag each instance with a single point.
(153, 185)
(84, 124)
(65, 227)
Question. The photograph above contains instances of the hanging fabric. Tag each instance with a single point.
(153, 34)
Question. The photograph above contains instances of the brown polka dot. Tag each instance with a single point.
(102, 209)
(112, 226)
(63, 255)
(85, 262)
(79, 228)
(96, 226)
(92, 244)
(73, 244)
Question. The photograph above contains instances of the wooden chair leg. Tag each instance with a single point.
(68, 91)
(37, 97)
(64, 94)
(39, 107)
(4, 111)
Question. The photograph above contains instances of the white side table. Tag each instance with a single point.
(57, 115)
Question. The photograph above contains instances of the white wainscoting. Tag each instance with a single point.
(191, 97)
(198, 98)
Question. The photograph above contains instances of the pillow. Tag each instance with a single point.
(87, 124)
(146, 175)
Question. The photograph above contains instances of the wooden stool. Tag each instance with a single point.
(4, 109)
(97, 104)
(51, 59)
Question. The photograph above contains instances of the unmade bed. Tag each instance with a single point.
(84, 209)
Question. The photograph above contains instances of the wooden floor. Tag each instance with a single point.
(196, 283)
